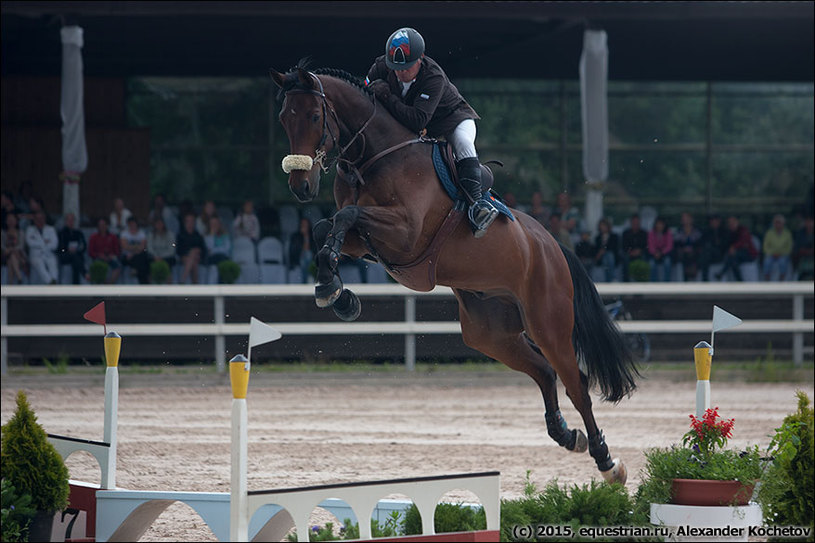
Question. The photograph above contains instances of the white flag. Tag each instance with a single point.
(260, 333)
(722, 320)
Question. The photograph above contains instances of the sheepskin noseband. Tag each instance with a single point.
(297, 162)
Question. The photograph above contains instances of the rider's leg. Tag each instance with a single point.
(482, 212)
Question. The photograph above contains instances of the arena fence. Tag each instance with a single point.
(408, 326)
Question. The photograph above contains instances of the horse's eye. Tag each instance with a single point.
(315, 118)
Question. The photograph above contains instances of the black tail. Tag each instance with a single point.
(596, 338)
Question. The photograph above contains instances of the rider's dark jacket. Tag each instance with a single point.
(432, 101)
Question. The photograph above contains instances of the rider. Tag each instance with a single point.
(417, 92)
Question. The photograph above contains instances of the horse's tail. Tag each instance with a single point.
(597, 339)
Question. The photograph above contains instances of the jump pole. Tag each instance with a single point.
(238, 488)
(113, 347)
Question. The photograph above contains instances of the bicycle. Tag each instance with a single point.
(639, 343)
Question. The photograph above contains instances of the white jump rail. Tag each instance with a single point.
(797, 292)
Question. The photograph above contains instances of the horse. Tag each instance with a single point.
(524, 299)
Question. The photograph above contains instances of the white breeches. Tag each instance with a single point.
(462, 138)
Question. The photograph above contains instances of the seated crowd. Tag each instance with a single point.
(189, 243)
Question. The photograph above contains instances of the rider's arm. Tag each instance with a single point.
(416, 116)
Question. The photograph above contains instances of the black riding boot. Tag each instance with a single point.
(482, 212)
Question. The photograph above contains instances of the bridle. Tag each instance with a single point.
(320, 154)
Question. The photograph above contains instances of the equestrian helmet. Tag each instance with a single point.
(403, 49)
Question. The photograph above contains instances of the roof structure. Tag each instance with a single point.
(648, 41)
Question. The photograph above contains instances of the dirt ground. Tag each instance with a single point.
(323, 428)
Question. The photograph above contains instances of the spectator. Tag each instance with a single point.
(712, 245)
(13, 249)
(104, 245)
(246, 223)
(559, 231)
(586, 251)
(804, 250)
(191, 249)
(777, 249)
(118, 217)
(660, 249)
(134, 250)
(218, 242)
(301, 250)
(538, 210)
(7, 207)
(686, 246)
(607, 244)
(635, 244)
(72, 247)
(42, 242)
(569, 215)
(161, 244)
(207, 212)
(740, 249)
(161, 211)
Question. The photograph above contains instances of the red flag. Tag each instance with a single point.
(97, 315)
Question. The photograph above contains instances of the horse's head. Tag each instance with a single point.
(304, 116)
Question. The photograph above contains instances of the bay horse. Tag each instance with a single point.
(523, 298)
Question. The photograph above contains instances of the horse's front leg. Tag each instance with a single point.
(329, 290)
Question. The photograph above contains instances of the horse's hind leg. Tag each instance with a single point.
(551, 332)
(494, 327)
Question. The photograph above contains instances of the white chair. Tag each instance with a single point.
(270, 251)
(349, 272)
(243, 252)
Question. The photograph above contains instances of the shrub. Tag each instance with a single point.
(16, 513)
(449, 517)
(30, 463)
(639, 270)
(228, 271)
(98, 272)
(786, 492)
(596, 504)
(159, 272)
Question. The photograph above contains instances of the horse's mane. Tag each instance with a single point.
(292, 81)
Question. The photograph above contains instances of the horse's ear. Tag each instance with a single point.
(306, 78)
(277, 77)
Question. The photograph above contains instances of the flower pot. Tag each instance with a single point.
(709, 492)
(40, 527)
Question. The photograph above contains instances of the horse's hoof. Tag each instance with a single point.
(580, 442)
(327, 293)
(617, 473)
(347, 306)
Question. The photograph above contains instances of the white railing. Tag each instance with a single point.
(408, 326)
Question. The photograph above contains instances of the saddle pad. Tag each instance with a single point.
(455, 194)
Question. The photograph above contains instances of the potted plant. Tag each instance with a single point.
(701, 471)
(98, 272)
(228, 271)
(159, 272)
(34, 467)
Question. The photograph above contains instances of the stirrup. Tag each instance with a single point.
(482, 214)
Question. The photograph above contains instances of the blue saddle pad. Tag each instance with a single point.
(452, 190)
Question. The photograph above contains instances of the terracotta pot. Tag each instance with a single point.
(708, 492)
